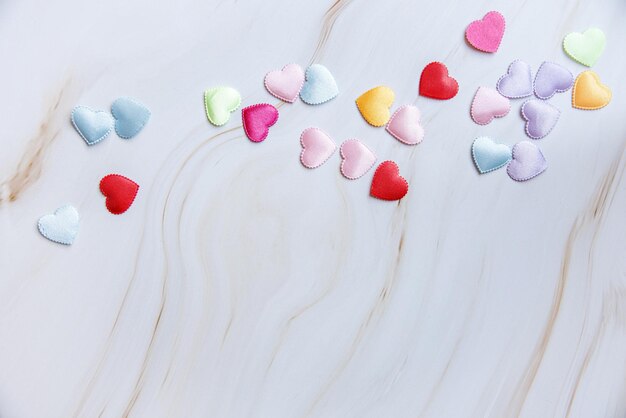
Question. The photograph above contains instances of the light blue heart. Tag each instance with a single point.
(62, 226)
(320, 85)
(92, 125)
(130, 117)
(489, 156)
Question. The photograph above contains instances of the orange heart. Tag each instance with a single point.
(589, 93)
(374, 105)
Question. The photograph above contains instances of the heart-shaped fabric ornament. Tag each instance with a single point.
(589, 93)
(92, 125)
(488, 104)
(489, 156)
(257, 120)
(585, 47)
(405, 126)
(60, 227)
(317, 147)
(552, 78)
(540, 116)
(387, 183)
(320, 85)
(120, 192)
(486, 34)
(285, 84)
(436, 83)
(374, 105)
(517, 82)
(356, 159)
(527, 162)
(130, 117)
(219, 103)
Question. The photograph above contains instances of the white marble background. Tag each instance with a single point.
(241, 284)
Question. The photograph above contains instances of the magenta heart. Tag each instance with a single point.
(552, 78)
(527, 162)
(257, 120)
(317, 147)
(486, 34)
(540, 116)
(488, 104)
(285, 84)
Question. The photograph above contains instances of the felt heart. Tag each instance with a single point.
(540, 116)
(488, 104)
(93, 126)
(219, 103)
(285, 84)
(356, 159)
(486, 34)
(489, 156)
(552, 78)
(405, 126)
(517, 82)
(589, 93)
(62, 226)
(130, 117)
(374, 105)
(527, 162)
(317, 147)
(320, 85)
(120, 192)
(387, 183)
(436, 83)
(585, 47)
(257, 120)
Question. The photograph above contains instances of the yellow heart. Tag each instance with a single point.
(374, 105)
(589, 93)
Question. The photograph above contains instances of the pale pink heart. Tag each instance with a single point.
(317, 147)
(285, 84)
(405, 126)
(488, 104)
(357, 159)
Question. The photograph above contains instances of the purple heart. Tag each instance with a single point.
(552, 78)
(527, 162)
(540, 117)
(517, 82)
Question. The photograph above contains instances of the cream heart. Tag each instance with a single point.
(357, 159)
(317, 147)
(404, 125)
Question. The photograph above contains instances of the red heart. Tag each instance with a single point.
(120, 192)
(436, 83)
(387, 183)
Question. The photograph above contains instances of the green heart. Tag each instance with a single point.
(585, 47)
(219, 102)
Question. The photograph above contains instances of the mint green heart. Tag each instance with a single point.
(585, 47)
(219, 102)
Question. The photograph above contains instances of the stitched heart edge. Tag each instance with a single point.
(398, 173)
(492, 116)
(106, 200)
(81, 133)
(525, 178)
(267, 131)
(532, 81)
(480, 20)
(556, 90)
(343, 160)
(306, 78)
(40, 226)
(480, 171)
(528, 122)
(304, 149)
(206, 106)
(284, 99)
(597, 78)
(116, 118)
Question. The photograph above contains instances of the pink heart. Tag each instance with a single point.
(257, 120)
(357, 159)
(317, 147)
(486, 34)
(488, 104)
(405, 126)
(286, 83)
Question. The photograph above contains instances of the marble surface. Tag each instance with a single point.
(241, 284)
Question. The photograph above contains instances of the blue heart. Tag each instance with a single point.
(92, 125)
(489, 156)
(62, 226)
(320, 85)
(130, 117)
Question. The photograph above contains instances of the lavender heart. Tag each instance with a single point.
(552, 78)
(517, 82)
(527, 162)
(540, 117)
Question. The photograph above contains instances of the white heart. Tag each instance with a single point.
(62, 226)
